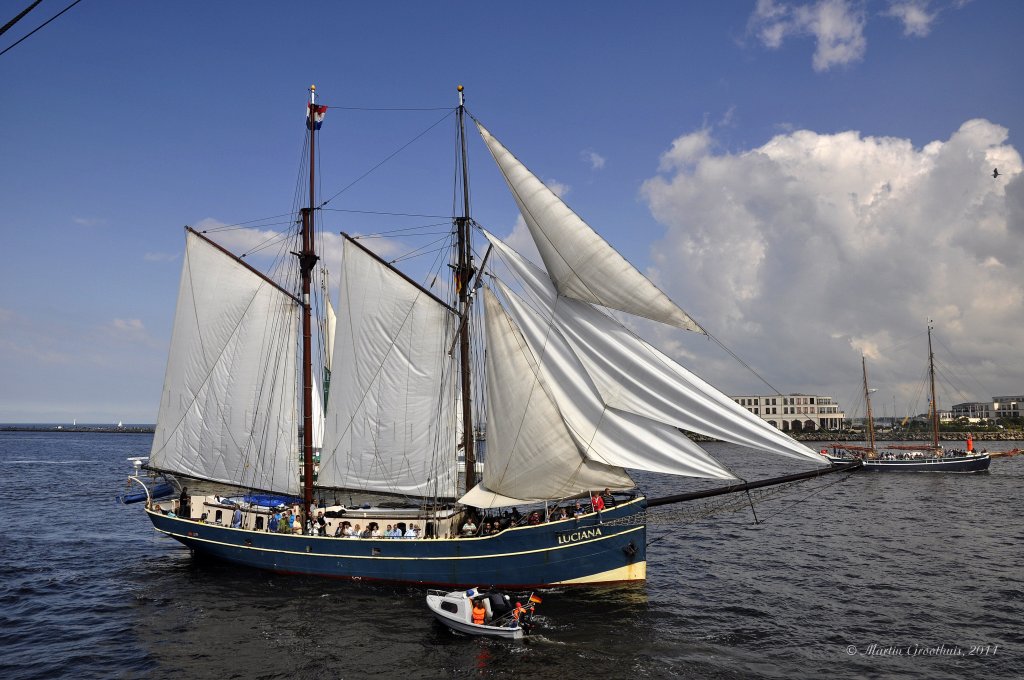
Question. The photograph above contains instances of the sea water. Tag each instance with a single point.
(877, 575)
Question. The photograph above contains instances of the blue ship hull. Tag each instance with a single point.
(566, 552)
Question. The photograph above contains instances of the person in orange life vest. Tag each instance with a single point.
(478, 612)
(518, 611)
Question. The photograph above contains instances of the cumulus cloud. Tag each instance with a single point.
(685, 150)
(814, 248)
(837, 27)
(914, 14)
(595, 159)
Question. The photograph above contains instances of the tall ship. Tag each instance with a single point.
(362, 480)
(911, 458)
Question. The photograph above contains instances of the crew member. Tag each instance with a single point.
(479, 613)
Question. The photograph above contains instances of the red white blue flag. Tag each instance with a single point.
(315, 116)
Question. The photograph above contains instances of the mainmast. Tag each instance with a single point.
(867, 400)
(463, 280)
(935, 405)
(307, 260)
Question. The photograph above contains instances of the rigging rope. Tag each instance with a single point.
(385, 160)
(692, 514)
(32, 32)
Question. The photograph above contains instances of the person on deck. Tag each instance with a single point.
(479, 613)
(236, 518)
(412, 532)
(607, 499)
(321, 524)
(274, 521)
(183, 504)
(469, 528)
(597, 502)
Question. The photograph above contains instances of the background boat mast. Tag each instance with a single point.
(867, 401)
(463, 281)
(307, 260)
(935, 405)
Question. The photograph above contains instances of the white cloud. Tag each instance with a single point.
(813, 248)
(917, 20)
(685, 150)
(128, 326)
(160, 257)
(595, 159)
(836, 25)
(88, 221)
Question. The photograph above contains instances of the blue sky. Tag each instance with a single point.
(809, 179)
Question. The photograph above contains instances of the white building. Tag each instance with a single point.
(1000, 407)
(795, 412)
(1008, 407)
(973, 411)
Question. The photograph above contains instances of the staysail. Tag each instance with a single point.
(603, 433)
(582, 265)
(531, 455)
(228, 408)
(635, 377)
(390, 426)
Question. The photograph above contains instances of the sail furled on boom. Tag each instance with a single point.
(631, 376)
(389, 417)
(582, 265)
(228, 408)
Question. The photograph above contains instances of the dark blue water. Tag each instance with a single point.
(920, 566)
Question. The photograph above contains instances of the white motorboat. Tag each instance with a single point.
(502, 620)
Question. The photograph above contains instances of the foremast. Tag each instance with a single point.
(307, 260)
(463, 285)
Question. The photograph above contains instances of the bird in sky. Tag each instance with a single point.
(995, 173)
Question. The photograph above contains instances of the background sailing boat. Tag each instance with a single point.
(902, 458)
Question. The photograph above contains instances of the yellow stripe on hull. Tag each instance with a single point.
(630, 572)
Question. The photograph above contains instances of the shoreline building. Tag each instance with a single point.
(794, 412)
(1000, 407)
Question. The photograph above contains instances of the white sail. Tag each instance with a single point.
(635, 377)
(531, 454)
(228, 408)
(581, 264)
(389, 423)
(318, 416)
(605, 434)
(329, 332)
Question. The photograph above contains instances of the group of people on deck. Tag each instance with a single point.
(488, 526)
(289, 521)
(373, 530)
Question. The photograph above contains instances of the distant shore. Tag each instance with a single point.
(99, 429)
(1002, 435)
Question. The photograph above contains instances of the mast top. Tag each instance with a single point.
(462, 95)
(312, 94)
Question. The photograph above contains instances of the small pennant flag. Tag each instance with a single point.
(534, 599)
(317, 115)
